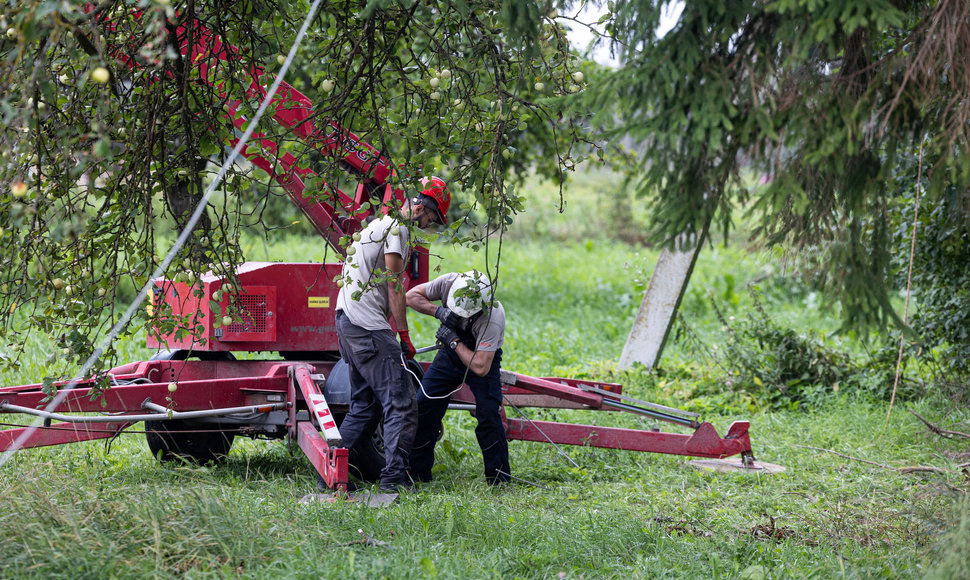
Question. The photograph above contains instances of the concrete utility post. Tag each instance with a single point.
(660, 302)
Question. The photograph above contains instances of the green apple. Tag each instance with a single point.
(100, 75)
(18, 189)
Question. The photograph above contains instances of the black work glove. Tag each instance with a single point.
(447, 337)
(447, 317)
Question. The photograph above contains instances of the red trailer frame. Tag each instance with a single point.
(188, 405)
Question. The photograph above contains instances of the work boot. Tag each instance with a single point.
(397, 486)
(420, 477)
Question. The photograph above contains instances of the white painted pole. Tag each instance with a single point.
(656, 315)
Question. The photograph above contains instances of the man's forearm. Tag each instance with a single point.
(398, 306)
(477, 361)
(418, 300)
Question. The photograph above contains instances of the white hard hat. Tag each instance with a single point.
(468, 293)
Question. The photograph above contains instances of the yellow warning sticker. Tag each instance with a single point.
(318, 302)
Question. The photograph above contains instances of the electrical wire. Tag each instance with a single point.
(537, 428)
(179, 242)
(421, 383)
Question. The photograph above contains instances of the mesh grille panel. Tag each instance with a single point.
(250, 312)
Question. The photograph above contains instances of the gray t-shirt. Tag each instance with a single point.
(364, 270)
(489, 329)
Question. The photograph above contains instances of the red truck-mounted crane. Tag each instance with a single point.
(195, 397)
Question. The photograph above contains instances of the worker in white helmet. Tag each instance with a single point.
(372, 294)
(471, 335)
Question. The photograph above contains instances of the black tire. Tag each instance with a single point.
(366, 459)
(184, 440)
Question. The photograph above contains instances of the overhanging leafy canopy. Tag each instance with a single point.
(820, 97)
(95, 163)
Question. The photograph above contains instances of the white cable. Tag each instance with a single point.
(183, 237)
(421, 383)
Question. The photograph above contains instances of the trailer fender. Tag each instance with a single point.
(337, 387)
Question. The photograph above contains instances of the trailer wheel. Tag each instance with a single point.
(366, 459)
(182, 440)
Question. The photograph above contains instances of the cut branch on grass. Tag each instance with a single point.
(908, 469)
(939, 430)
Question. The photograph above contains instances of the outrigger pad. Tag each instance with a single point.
(734, 464)
(368, 499)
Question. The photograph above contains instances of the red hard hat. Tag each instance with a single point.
(437, 190)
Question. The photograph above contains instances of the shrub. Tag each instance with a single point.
(771, 366)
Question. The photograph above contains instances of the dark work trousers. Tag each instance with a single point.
(443, 376)
(379, 389)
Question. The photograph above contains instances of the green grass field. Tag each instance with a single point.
(99, 510)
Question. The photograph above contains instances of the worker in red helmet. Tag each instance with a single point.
(470, 337)
(371, 294)
(435, 196)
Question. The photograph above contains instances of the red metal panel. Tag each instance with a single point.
(200, 385)
(298, 316)
(317, 404)
(190, 396)
(330, 463)
(611, 387)
(702, 443)
(547, 387)
(60, 433)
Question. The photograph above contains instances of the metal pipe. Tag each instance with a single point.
(647, 404)
(650, 413)
(162, 414)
